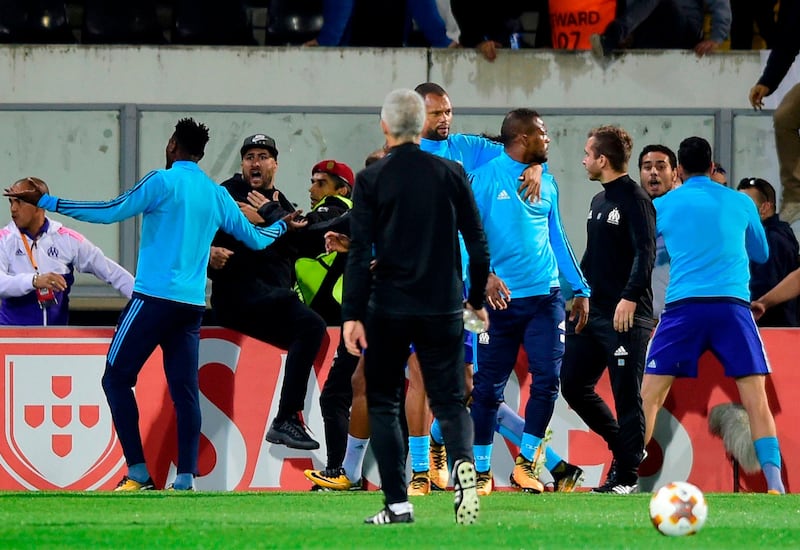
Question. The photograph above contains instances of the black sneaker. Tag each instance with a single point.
(466, 501)
(611, 478)
(292, 433)
(616, 484)
(566, 477)
(387, 516)
(617, 488)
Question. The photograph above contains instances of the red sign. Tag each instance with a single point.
(57, 431)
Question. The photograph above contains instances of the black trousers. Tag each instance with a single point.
(283, 321)
(335, 401)
(439, 343)
(587, 355)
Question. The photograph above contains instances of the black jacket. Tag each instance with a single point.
(786, 47)
(268, 273)
(783, 252)
(495, 22)
(621, 249)
(409, 207)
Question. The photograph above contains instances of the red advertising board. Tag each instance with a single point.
(58, 435)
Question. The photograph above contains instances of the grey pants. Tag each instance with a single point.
(787, 143)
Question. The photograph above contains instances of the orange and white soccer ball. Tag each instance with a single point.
(678, 509)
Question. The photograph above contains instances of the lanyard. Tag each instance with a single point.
(29, 251)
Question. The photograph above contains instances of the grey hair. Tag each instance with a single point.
(403, 112)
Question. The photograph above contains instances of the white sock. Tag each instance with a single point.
(354, 457)
(401, 507)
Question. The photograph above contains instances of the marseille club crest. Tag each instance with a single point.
(59, 433)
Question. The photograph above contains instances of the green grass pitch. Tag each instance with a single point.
(508, 520)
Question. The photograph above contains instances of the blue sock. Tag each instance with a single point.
(483, 457)
(436, 432)
(509, 424)
(551, 458)
(183, 482)
(419, 447)
(529, 445)
(769, 456)
(138, 472)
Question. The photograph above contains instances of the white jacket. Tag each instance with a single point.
(58, 250)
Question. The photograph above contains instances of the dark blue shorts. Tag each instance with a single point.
(688, 330)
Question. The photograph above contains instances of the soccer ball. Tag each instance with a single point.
(678, 509)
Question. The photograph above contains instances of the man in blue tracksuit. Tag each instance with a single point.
(182, 210)
(708, 299)
(528, 249)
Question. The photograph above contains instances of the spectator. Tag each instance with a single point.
(37, 259)
(573, 22)
(677, 24)
(490, 29)
(783, 252)
(747, 12)
(352, 23)
(787, 116)
(251, 291)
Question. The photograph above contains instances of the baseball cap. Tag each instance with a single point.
(259, 141)
(334, 168)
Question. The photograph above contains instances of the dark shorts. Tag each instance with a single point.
(688, 330)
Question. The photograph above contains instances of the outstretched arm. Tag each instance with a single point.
(787, 289)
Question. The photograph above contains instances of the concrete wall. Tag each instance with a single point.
(347, 77)
(91, 120)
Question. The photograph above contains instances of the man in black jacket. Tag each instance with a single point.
(618, 262)
(787, 116)
(783, 252)
(251, 291)
(407, 210)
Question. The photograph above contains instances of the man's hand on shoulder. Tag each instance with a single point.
(531, 187)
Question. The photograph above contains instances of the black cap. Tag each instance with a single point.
(260, 141)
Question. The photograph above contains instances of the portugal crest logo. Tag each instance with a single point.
(57, 424)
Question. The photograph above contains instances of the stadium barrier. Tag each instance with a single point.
(58, 433)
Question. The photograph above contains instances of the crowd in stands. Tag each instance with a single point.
(703, 26)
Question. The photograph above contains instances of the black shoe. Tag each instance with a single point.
(566, 477)
(387, 516)
(292, 433)
(611, 478)
(616, 483)
(617, 488)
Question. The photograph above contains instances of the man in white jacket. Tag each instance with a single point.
(38, 257)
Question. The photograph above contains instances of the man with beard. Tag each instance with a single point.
(658, 176)
(528, 248)
(252, 293)
(618, 262)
